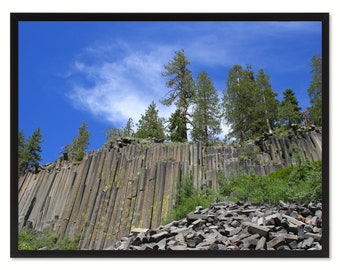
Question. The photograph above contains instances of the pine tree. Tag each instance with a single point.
(177, 128)
(150, 124)
(128, 129)
(206, 116)
(33, 147)
(181, 87)
(289, 110)
(22, 154)
(80, 142)
(267, 105)
(315, 91)
(29, 149)
(239, 100)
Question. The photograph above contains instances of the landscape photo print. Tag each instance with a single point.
(169, 135)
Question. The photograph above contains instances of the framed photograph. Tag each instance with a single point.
(169, 135)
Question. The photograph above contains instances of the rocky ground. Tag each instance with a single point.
(235, 226)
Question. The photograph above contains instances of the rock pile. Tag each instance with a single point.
(235, 226)
(121, 142)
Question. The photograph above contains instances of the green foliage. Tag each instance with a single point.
(80, 142)
(128, 129)
(112, 134)
(223, 181)
(188, 198)
(206, 116)
(249, 103)
(80, 155)
(68, 244)
(238, 102)
(306, 180)
(34, 240)
(185, 188)
(26, 241)
(302, 184)
(170, 159)
(177, 128)
(315, 91)
(189, 204)
(249, 152)
(33, 146)
(29, 149)
(29, 240)
(22, 156)
(289, 110)
(266, 109)
(76, 163)
(180, 83)
(150, 124)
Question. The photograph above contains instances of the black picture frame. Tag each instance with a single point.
(16, 18)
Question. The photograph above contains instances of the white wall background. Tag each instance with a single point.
(7, 6)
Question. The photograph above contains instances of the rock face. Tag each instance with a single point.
(230, 226)
(114, 190)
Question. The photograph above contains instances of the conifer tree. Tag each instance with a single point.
(180, 83)
(250, 105)
(239, 100)
(22, 155)
(206, 115)
(33, 147)
(315, 91)
(267, 105)
(150, 124)
(128, 129)
(289, 110)
(29, 149)
(80, 142)
(177, 128)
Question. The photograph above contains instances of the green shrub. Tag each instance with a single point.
(307, 181)
(76, 163)
(188, 198)
(30, 240)
(189, 204)
(185, 188)
(302, 184)
(25, 241)
(68, 244)
(34, 240)
(222, 181)
(80, 155)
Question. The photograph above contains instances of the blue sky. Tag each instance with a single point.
(105, 72)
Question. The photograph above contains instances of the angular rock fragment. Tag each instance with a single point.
(256, 229)
(228, 227)
(261, 244)
(276, 242)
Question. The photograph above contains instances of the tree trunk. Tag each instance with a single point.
(270, 130)
(183, 109)
(206, 139)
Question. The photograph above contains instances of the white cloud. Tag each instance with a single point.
(118, 89)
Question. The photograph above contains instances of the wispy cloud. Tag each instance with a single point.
(118, 78)
(120, 87)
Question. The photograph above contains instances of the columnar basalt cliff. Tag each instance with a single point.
(114, 190)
